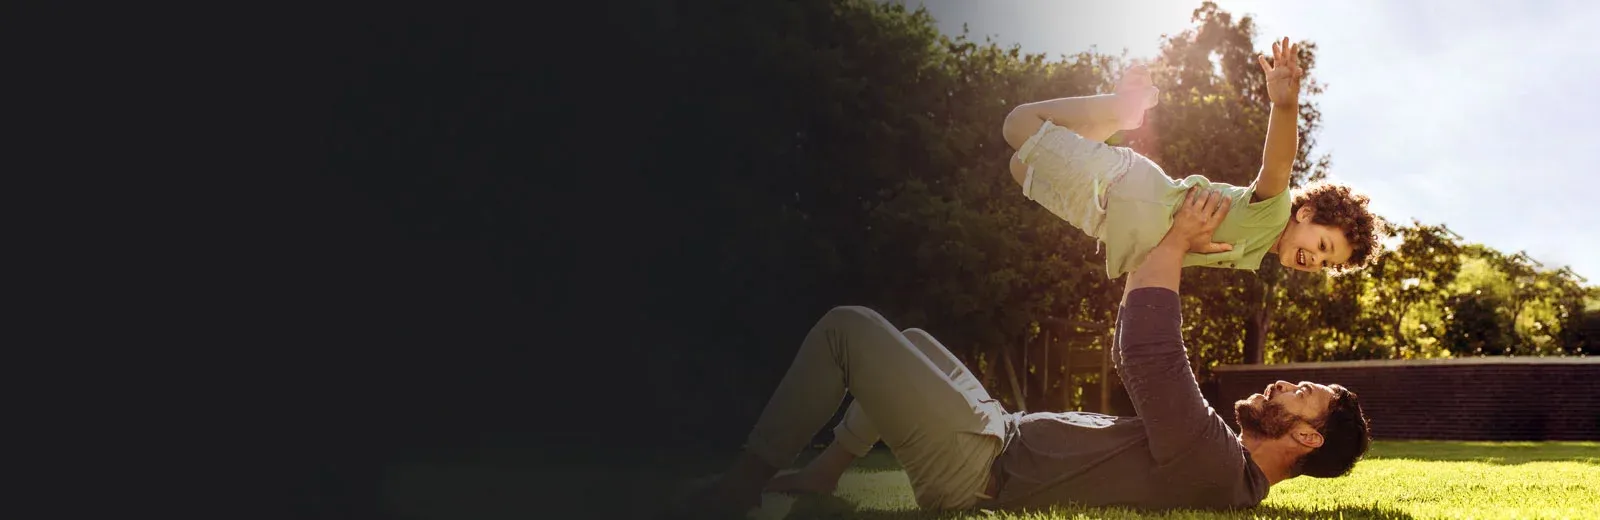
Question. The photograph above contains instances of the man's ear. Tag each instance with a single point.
(1305, 214)
(1307, 436)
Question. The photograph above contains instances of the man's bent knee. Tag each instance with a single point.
(857, 319)
(855, 314)
(918, 334)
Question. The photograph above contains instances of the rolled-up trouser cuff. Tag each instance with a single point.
(857, 443)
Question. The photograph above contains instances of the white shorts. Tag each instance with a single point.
(1070, 176)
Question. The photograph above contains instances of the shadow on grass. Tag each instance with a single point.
(535, 488)
(1336, 513)
(820, 507)
(1507, 453)
(489, 493)
(830, 507)
(879, 459)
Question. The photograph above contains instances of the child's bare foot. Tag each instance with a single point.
(803, 482)
(1136, 93)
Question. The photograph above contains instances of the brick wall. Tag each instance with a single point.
(1459, 399)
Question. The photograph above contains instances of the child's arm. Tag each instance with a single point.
(1283, 138)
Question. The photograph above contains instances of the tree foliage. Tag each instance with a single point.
(784, 158)
(861, 163)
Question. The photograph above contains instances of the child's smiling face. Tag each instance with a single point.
(1310, 247)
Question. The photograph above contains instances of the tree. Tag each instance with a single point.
(874, 173)
(1477, 325)
(846, 152)
(1420, 270)
(1580, 316)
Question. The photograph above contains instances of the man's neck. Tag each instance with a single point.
(1274, 463)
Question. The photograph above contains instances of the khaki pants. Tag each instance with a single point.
(909, 391)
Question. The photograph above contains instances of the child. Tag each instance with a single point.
(1126, 201)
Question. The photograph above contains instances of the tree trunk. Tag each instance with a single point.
(1255, 337)
(1016, 386)
(1399, 340)
(1255, 328)
(1516, 337)
(1067, 381)
(1105, 373)
(1044, 373)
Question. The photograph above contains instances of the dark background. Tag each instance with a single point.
(325, 241)
(362, 237)
(505, 251)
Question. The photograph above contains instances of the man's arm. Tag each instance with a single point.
(1283, 133)
(1152, 361)
(1163, 268)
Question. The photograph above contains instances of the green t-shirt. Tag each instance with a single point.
(1140, 210)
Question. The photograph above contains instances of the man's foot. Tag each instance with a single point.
(802, 482)
(1136, 93)
(716, 497)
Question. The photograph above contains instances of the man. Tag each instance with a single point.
(962, 450)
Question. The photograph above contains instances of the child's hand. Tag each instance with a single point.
(1136, 93)
(1283, 74)
(1197, 218)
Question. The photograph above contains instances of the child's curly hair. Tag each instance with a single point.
(1340, 206)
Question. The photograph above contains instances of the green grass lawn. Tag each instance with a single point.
(1396, 480)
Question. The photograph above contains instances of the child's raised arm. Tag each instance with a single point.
(1283, 88)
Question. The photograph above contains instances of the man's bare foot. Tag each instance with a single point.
(802, 482)
(717, 497)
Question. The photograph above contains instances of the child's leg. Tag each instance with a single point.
(1094, 118)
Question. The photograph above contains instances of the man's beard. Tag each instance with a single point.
(1270, 421)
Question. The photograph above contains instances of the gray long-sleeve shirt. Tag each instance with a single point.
(1177, 453)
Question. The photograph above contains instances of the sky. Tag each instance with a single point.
(1473, 114)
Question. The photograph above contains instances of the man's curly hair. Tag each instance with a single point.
(1340, 206)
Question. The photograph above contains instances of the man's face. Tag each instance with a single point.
(1275, 411)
